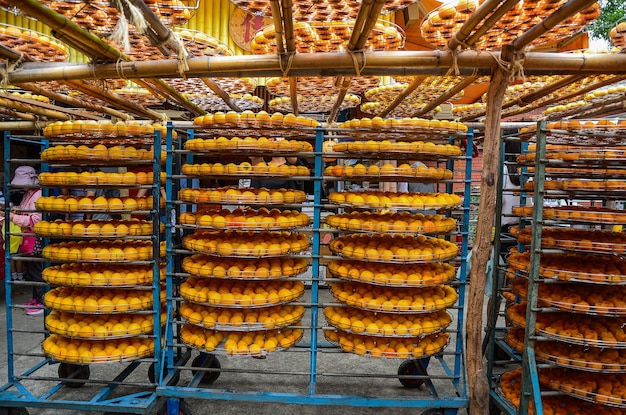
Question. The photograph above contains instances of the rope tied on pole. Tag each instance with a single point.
(285, 69)
(9, 68)
(120, 33)
(183, 55)
(454, 52)
(119, 69)
(37, 125)
(515, 69)
(358, 68)
(122, 30)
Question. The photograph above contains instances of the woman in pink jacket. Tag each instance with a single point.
(25, 217)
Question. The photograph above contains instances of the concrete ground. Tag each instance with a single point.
(343, 375)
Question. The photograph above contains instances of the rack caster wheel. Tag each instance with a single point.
(183, 409)
(172, 381)
(77, 373)
(211, 362)
(433, 412)
(14, 411)
(411, 367)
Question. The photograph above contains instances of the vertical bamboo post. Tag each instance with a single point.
(477, 378)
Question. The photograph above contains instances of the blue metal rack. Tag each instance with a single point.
(531, 393)
(177, 355)
(34, 387)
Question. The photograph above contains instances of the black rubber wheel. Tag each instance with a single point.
(433, 411)
(499, 354)
(411, 367)
(211, 362)
(14, 411)
(172, 381)
(77, 373)
(183, 409)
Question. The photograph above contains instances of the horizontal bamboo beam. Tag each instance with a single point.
(20, 125)
(379, 63)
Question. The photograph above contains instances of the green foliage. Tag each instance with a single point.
(612, 12)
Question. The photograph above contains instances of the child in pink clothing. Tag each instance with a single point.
(25, 217)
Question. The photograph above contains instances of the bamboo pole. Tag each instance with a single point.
(555, 86)
(47, 106)
(20, 125)
(11, 54)
(293, 93)
(616, 106)
(407, 91)
(567, 97)
(290, 44)
(361, 17)
(161, 37)
(161, 34)
(447, 95)
(477, 378)
(75, 102)
(379, 63)
(34, 109)
(568, 9)
(220, 93)
(81, 39)
(15, 114)
(584, 90)
(287, 13)
(345, 84)
(368, 25)
(160, 87)
(278, 26)
(529, 98)
(489, 22)
(114, 100)
(470, 24)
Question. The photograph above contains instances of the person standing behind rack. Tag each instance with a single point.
(26, 217)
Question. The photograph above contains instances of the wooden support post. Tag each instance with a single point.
(481, 251)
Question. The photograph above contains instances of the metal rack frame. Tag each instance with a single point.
(530, 379)
(17, 393)
(177, 355)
